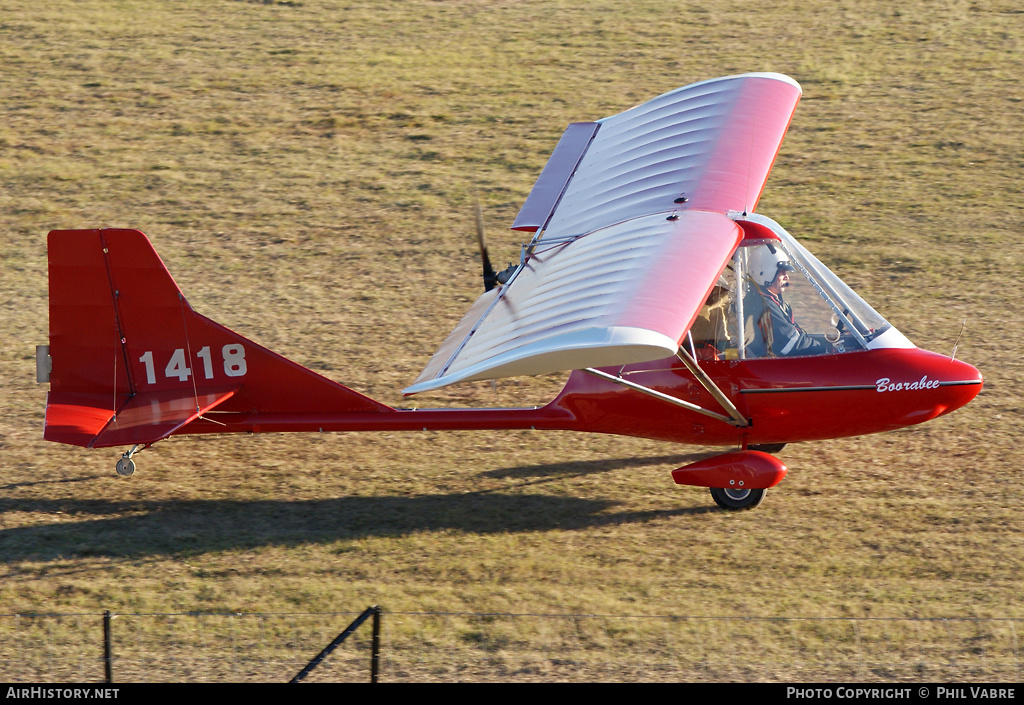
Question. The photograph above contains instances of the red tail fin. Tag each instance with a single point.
(133, 363)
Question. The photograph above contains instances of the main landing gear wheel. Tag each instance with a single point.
(730, 498)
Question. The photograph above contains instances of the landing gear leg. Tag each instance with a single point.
(767, 447)
(126, 466)
(729, 498)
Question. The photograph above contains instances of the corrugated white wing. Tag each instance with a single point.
(633, 234)
(621, 294)
(712, 143)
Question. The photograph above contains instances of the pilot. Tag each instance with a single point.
(772, 329)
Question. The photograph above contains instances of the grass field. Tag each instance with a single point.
(308, 171)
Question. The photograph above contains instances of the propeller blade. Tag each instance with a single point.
(490, 277)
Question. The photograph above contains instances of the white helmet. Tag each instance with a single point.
(764, 263)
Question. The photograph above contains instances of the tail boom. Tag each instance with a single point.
(548, 418)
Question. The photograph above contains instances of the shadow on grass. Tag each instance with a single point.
(63, 481)
(139, 528)
(590, 467)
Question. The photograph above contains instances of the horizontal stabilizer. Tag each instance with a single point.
(87, 420)
(76, 419)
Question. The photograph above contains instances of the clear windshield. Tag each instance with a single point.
(841, 298)
(789, 305)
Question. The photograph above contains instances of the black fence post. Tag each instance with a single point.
(375, 645)
(374, 610)
(108, 671)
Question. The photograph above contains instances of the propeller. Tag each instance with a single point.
(490, 277)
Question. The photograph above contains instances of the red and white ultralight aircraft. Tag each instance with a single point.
(683, 315)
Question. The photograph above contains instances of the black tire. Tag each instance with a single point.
(737, 499)
(767, 447)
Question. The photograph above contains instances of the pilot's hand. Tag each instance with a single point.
(845, 343)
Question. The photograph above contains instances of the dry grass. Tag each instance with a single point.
(198, 648)
(308, 171)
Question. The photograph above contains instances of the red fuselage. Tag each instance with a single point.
(785, 399)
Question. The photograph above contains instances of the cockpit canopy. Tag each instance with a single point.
(789, 304)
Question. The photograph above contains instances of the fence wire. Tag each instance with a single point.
(446, 647)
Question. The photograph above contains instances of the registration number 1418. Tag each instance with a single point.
(232, 356)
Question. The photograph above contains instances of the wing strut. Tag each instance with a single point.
(735, 418)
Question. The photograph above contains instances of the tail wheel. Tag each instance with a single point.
(729, 498)
(125, 467)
